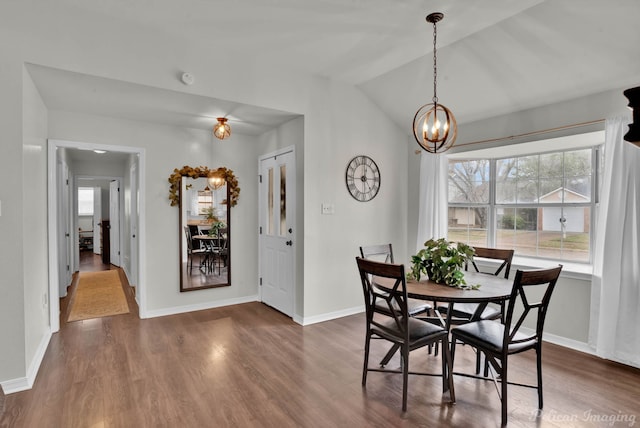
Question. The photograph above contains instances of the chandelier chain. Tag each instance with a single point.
(435, 68)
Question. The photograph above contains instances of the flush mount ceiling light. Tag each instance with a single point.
(99, 151)
(222, 129)
(434, 126)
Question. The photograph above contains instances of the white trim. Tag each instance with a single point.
(26, 383)
(562, 341)
(331, 315)
(199, 306)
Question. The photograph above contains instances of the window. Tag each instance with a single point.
(540, 204)
(85, 200)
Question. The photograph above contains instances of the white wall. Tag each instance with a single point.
(342, 123)
(34, 225)
(12, 327)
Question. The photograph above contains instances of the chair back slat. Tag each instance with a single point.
(394, 295)
(525, 286)
(506, 256)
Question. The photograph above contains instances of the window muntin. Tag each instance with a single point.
(538, 204)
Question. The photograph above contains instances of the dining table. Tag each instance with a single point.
(482, 289)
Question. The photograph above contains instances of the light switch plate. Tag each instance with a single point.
(328, 209)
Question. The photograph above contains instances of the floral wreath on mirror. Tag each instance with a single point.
(202, 171)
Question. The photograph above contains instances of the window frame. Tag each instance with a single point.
(493, 207)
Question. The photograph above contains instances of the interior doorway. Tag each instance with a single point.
(63, 151)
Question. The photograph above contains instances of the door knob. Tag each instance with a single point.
(289, 242)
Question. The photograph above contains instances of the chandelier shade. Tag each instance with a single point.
(222, 130)
(435, 128)
(434, 125)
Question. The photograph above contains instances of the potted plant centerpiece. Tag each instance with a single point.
(443, 262)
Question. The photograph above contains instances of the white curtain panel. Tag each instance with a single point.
(432, 220)
(614, 330)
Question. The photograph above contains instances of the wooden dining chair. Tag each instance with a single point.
(394, 324)
(464, 312)
(384, 253)
(192, 250)
(497, 340)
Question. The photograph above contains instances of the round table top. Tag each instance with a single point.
(492, 288)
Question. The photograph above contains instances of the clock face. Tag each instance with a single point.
(363, 178)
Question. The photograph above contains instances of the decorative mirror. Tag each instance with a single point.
(205, 198)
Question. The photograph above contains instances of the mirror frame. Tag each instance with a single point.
(233, 192)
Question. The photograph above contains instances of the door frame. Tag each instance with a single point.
(294, 237)
(52, 187)
(120, 180)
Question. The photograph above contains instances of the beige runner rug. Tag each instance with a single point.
(99, 294)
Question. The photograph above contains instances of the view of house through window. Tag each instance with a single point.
(85, 200)
(540, 204)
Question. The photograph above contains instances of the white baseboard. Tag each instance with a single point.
(330, 315)
(199, 306)
(562, 341)
(25, 383)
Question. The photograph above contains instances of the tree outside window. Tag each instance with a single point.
(538, 204)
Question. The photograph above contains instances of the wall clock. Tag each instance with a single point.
(363, 178)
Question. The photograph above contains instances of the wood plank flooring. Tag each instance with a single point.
(250, 366)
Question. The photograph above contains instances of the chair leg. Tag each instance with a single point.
(478, 353)
(539, 364)
(405, 375)
(503, 376)
(366, 359)
(447, 369)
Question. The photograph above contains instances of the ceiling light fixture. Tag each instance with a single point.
(434, 126)
(99, 151)
(222, 129)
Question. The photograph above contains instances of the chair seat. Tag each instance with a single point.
(419, 330)
(466, 311)
(490, 335)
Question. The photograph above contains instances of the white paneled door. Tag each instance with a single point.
(277, 201)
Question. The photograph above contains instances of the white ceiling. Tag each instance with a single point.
(494, 56)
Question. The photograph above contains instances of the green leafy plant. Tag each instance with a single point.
(215, 228)
(442, 261)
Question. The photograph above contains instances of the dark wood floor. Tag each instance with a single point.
(90, 262)
(250, 366)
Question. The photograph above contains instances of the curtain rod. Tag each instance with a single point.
(528, 134)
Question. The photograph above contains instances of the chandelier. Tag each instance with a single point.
(434, 126)
(222, 129)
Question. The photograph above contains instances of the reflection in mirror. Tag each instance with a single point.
(205, 233)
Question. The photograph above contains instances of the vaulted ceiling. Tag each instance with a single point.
(494, 56)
